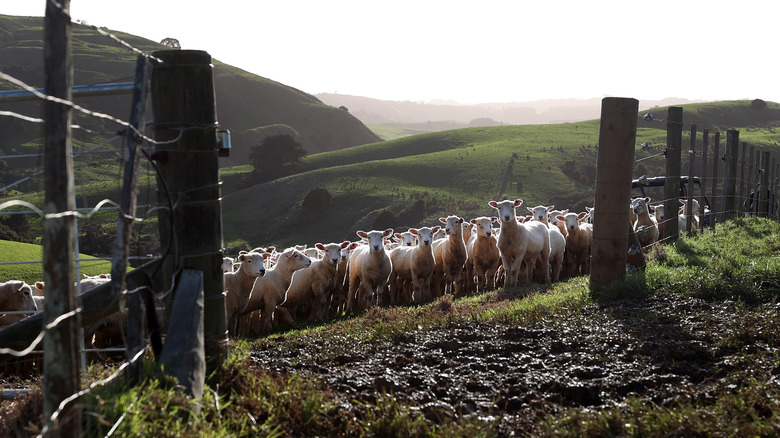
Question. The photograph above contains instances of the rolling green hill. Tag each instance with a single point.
(249, 105)
(32, 272)
(420, 178)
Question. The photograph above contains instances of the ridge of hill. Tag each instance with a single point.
(249, 105)
(413, 181)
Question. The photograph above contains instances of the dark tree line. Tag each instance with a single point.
(276, 156)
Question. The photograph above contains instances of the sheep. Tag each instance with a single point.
(560, 224)
(578, 243)
(228, 264)
(268, 291)
(645, 227)
(313, 285)
(660, 219)
(414, 265)
(694, 213)
(238, 285)
(557, 239)
(339, 300)
(405, 239)
(369, 270)
(450, 256)
(482, 254)
(15, 296)
(518, 243)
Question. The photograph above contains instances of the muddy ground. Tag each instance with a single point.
(663, 349)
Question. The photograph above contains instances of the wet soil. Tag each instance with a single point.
(662, 349)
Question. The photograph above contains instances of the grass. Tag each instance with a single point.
(32, 272)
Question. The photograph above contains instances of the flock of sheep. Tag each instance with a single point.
(266, 288)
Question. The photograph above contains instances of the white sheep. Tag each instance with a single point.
(228, 264)
(238, 285)
(339, 301)
(694, 213)
(482, 254)
(450, 255)
(578, 243)
(268, 291)
(16, 296)
(518, 243)
(557, 239)
(369, 271)
(645, 227)
(414, 265)
(314, 285)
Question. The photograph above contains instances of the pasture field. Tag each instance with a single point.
(689, 347)
(32, 272)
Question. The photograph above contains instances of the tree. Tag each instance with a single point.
(317, 199)
(276, 156)
(171, 42)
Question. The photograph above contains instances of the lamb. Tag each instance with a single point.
(313, 286)
(16, 296)
(518, 243)
(238, 286)
(228, 264)
(645, 227)
(694, 213)
(268, 291)
(578, 244)
(557, 239)
(482, 254)
(339, 300)
(660, 219)
(369, 270)
(414, 265)
(407, 238)
(450, 256)
(560, 224)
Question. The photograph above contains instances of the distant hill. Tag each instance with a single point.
(405, 113)
(249, 105)
(412, 181)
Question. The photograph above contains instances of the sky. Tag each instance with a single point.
(471, 51)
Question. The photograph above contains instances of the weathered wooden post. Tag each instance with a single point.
(755, 184)
(748, 205)
(742, 178)
(775, 178)
(705, 138)
(716, 201)
(730, 174)
(617, 144)
(61, 342)
(672, 183)
(183, 102)
(689, 193)
(763, 192)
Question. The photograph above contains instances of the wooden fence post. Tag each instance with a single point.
(716, 201)
(61, 344)
(689, 192)
(763, 192)
(615, 164)
(748, 206)
(672, 183)
(183, 102)
(730, 174)
(705, 138)
(775, 178)
(742, 178)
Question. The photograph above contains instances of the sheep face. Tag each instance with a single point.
(376, 239)
(405, 239)
(452, 224)
(253, 262)
(227, 264)
(484, 225)
(639, 205)
(296, 258)
(572, 220)
(425, 235)
(506, 208)
(332, 251)
(17, 295)
(554, 215)
(540, 212)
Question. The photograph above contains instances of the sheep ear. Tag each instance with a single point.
(582, 216)
(550, 207)
(361, 233)
(319, 246)
(436, 229)
(646, 200)
(414, 231)
(443, 220)
(345, 244)
(518, 202)
(493, 204)
(353, 245)
(560, 218)
(388, 232)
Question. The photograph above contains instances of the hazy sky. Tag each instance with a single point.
(471, 51)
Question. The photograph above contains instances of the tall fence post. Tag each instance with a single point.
(183, 103)
(61, 344)
(742, 178)
(672, 182)
(689, 192)
(755, 184)
(730, 175)
(775, 178)
(763, 192)
(717, 203)
(617, 144)
(748, 205)
(705, 138)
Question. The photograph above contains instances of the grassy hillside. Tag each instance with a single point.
(247, 104)
(458, 172)
(32, 272)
